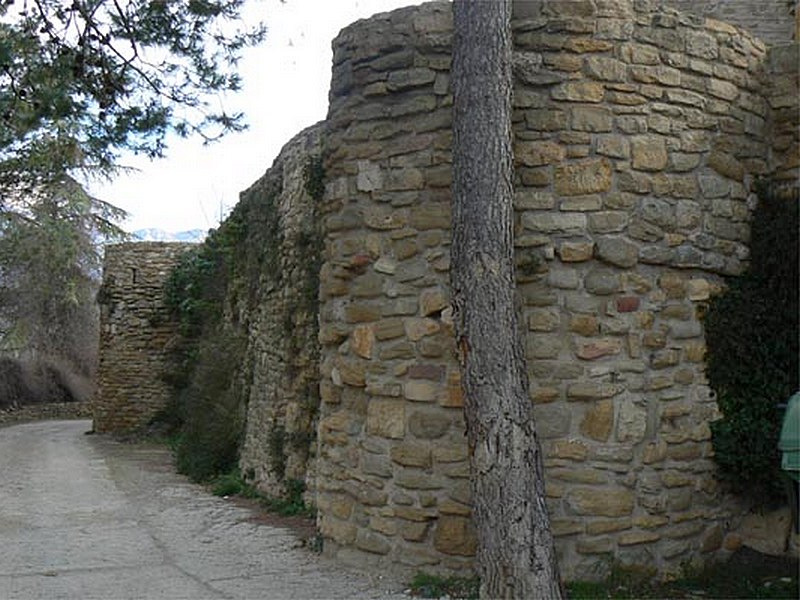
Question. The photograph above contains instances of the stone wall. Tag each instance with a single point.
(638, 132)
(783, 73)
(281, 321)
(135, 332)
(769, 20)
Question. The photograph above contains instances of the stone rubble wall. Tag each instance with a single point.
(769, 20)
(135, 335)
(281, 325)
(783, 73)
(638, 132)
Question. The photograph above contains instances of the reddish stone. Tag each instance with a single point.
(627, 304)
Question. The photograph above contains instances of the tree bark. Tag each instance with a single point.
(516, 557)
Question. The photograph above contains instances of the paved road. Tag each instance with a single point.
(86, 517)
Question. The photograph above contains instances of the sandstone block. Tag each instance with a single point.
(607, 526)
(565, 526)
(575, 251)
(595, 349)
(648, 153)
(455, 535)
(386, 418)
(428, 425)
(416, 328)
(598, 421)
(579, 91)
(586, 177)
(638, 537)
(362, 341)
(411, 455)
(604, 68)
(591, 118)
(585, 325)
(592, 391)
(341, 532)
(600, 501)
(421, 391)
(601, 545)
(544, 319)
(554, 222)
(430, 215)
(570, 449)
(538, 153)
(433, 301)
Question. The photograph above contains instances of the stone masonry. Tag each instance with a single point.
(638, 133)
(135, 332)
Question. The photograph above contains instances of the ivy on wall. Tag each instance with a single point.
(213, 293)
(752, 361)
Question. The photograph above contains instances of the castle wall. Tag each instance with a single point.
(281, 363)
(135, 333)
(637, 134)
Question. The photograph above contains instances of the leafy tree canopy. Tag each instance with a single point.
(83, 80)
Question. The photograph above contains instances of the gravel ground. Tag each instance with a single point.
(85, 516)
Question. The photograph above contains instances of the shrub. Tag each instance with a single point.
(752, 338)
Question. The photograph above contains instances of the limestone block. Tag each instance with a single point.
(370, 176)
(386, 418)
(600, 501)
(455, 535)
(579, 91)
(631, 421)
(428, 425)
(371, 541)
(591, 118)
(615, 146)
(602, 282)
(552, 420)
(617, 251)
(767, 533)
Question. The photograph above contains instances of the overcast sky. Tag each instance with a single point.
(286, 83)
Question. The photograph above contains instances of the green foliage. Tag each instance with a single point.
(82, 80)
(427, 585)
(290, 504)
(752, 338)
(210, 409)
(745, 575)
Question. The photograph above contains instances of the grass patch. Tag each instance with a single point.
(746, 575)
(290, 504)
(426, 585)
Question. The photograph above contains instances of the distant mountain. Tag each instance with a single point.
(159, 235)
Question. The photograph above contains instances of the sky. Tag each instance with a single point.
(285, 90)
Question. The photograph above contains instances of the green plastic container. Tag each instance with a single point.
(789, 441)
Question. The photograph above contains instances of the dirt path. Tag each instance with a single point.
(87, 517)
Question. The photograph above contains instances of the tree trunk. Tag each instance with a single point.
(516, 558)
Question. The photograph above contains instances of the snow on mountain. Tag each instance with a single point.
(159, 235)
